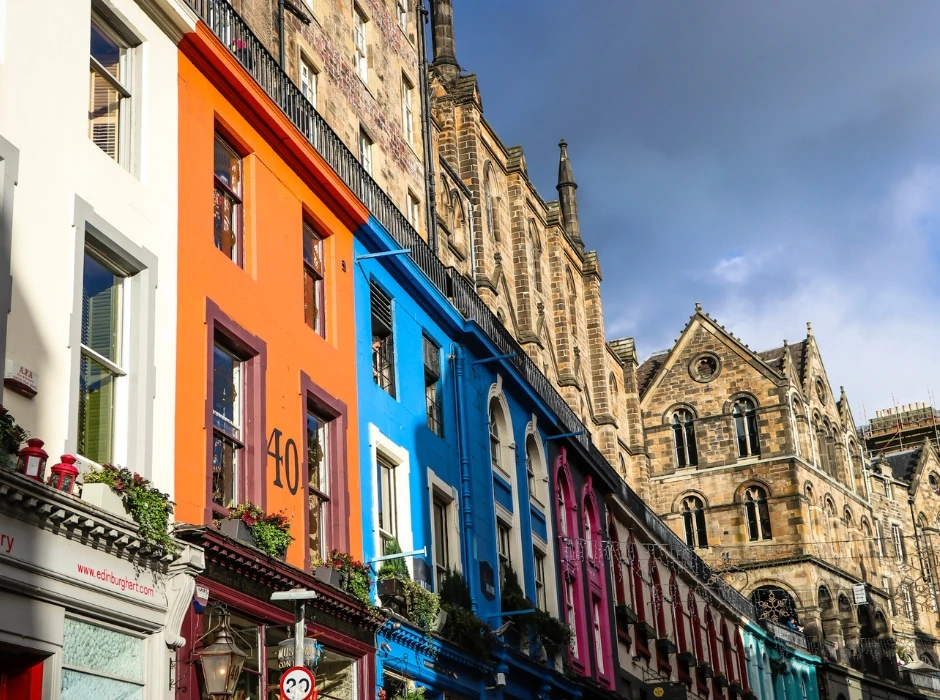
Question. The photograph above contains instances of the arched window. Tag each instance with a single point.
(616, 561)
(745, 428)
(496, 448)
(774, 604)
(728, 652)
(693, 518)
(683, 432)
(821, 448)
(696, 622)
(810, 497)
(659, 612)
(535, 470)
(824, 598)
(457, 232)
(742, 661)
(712, 636)
(489, 205)
(757, 514)
(639, 603)
(536, 256)
(678, 616)
(572, 302)
(571, 570)
(831, 452)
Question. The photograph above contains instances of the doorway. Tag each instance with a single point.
(20, 674)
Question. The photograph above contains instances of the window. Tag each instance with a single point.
(504, 549)
(361, 57)
(441, 516)
(495, 445)
(888, 492)
(319, 463)
(541, 599)
(308, 81)
(887, 589)
(109, 100)
(879, 536)
(383, 340)
(572, 303)
(403, 14)
(101, 372)
(745, 428)
(227, 421)
(387, 502)
(98, 662)
(757, 514)
(693, 518)
(908, 601)
(536, 252)
(227, 200)
(683, 431)
(432, 386)
(365, 151)
(313, 280)
(599, 654)
(408, 110)
(488, 203)
(898, 543)
(570, 613)
(414, 211)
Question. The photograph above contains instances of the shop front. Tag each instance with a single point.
(235, 592)
(87, 609)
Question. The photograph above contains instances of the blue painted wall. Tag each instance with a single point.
(777, 671)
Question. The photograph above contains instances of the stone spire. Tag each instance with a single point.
(568, 197)
(442, 37)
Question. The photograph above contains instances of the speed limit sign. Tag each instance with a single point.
(297, 684)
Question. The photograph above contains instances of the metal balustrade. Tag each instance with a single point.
(235, 35)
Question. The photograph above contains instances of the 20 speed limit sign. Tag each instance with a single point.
(297, 684)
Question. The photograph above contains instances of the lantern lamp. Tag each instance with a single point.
(63, 475)
(222, 662)
(31, 461)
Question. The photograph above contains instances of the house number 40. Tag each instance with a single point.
(289, 458)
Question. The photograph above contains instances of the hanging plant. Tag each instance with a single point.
(149, 507)
(270, 531)
(463, 628)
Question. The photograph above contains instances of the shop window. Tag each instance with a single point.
(101, 663)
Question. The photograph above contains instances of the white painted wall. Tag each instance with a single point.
(44, 96)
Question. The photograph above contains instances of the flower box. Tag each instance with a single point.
(330, 576)
(646, 629)
(666, 645)
(238, 530)
(103, 497)
(688, 658)
(389, 588)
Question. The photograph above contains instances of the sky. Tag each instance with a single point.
(778, 162)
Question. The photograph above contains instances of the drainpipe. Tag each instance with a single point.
(463, 448)
(280, 32)
(429, 185)
(473, 249)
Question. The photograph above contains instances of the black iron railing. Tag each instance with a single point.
(222, 19)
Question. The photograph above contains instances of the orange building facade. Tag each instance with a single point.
(266, 373)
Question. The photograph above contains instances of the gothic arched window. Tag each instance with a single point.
(572, 302)
(774, 604)
(693, 518)
(489, 205)
(745, 428)
(683, 430)
(757, 514)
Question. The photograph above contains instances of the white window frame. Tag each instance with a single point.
(134, 404)
(366, 145)
(886, 585)
(896, 540)
(309, 80)
(408, 110)
(908, 601)
(402, 13)
(440, 490)
(541, 584)
(414, 211)
(144, 651)
(598, 634)
(127, 139)
(361, 43)
(381, 447)
(889, 489)
(879, 536)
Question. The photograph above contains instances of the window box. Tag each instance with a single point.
(706, 669)
(646, 629)
(735, 687)
(101, 496)
(626, 616)
(666, 645)
(721, 681)
(688, 658)
(330, 576)
(238, 530)
(390, 588)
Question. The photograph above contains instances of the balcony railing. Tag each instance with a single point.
(232, 31)
(791, 637)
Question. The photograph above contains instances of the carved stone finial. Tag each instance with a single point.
(698, 306)
(809, 329)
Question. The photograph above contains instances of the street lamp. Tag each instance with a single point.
(222, 661)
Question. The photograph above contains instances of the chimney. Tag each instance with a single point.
(568, 197)
(442, 38)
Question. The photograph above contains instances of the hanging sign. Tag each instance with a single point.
(297, 684)
(861, 596)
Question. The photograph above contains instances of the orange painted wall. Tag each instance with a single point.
(266, 297)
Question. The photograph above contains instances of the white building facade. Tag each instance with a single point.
(88, 248)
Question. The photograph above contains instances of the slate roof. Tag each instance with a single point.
(774, 357)
(646, 371)
(903, 463)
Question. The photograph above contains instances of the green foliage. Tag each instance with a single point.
(358, 575)
(270, 531)
(539, 627)
(149, 507)
(422, 606)
(394, 568)
(12, 435)
(463, 628)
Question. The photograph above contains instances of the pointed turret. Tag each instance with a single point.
(568, 197)
(442, 39)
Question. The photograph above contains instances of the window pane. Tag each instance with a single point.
(101, 308)
(318, 474)
(104, 112)
(226, 376)
(106, 50)
(337, 676)
(224, 470)
(228, 166)
(225, 222)
(95, 411)
(94, 648)
(81, 686)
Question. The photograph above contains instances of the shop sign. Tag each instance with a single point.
(861, 597)
(31, 546)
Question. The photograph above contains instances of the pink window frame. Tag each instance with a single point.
(597, 579)
(659, 614)
(639, 604)
(678, 626)
(571, 570)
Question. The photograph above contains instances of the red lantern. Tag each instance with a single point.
(63, 474)
(32, 460)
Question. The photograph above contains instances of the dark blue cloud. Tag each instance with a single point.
(779, 162)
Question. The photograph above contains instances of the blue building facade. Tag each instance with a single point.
(777, 667)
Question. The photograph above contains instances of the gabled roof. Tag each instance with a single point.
(774, 357)
(903, 464)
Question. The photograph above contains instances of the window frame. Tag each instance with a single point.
(253, 352)
(328, 405)
(360, 44)
(682, 425)
(233, 436)
(386, 534)
(757, 514)
(366, 145)
(237, 198)
(408, 110)
(310, 232)
(383, 346)
(746, 429)
(897, 541)
(433, 386)
(402, 15)
(124, 632)
(141, 267)
(309, 84)
(127, 141)
(693, 519)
